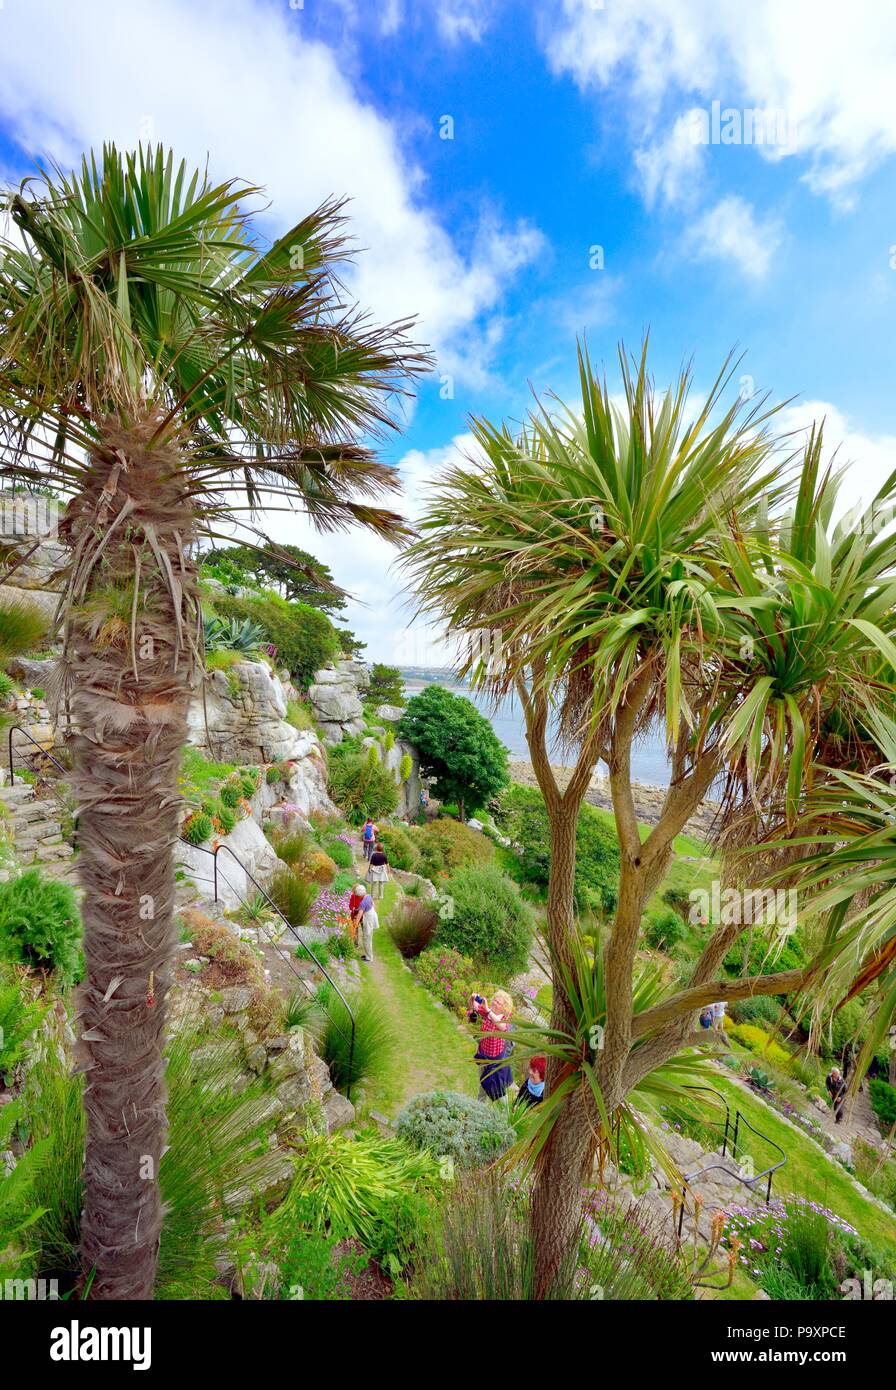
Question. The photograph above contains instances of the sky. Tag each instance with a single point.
(521, 172)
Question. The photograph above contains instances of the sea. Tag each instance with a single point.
(650, 764)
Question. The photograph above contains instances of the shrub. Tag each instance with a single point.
(446, 845)
(359, 787)
(883, 1102)
(20, 1016)
(231, 793)
(760, 1042)
(316, 866)
(401, 850)
(448, 975)
(235, 960)
(7, 685)
(374, 1040)
(290, 845)
(762, 955)
(340, 853)
(293, 896)
(521, 815)
(489, 919)
(663, 928)
(452, 1125)
(40, 925)
(368, 1188)
(197, 828)
(412, 925)
(386, 685)
(762, 1008)
(227, 819)
(304, 637)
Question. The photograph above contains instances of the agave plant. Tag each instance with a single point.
(167, 372)
(232, 635)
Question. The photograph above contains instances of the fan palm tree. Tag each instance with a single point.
(165, 370)
(637, 566)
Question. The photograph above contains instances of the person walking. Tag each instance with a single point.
(718, 1016)
(358, 894)
(378, 871)
(836, 1087)
(369, 923)
(368, 837)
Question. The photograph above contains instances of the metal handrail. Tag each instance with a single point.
(712, 1167)
(270, 901)
(17, 729)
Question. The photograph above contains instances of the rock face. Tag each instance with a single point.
(245, 713)
(335, 696)
(247, 843)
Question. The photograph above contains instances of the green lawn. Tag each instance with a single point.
(808, 1171)
(430, 1050)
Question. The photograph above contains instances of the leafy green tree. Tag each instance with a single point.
(296, 575)
(457, 746)
(642, 563)
(386, 685)
(304, 637)
(166, 368)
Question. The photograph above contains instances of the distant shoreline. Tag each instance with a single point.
(648, 799)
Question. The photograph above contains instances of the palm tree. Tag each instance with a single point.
(639, 567)
(165, 370)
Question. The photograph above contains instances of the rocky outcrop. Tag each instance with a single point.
(243, 717)
(242, 853)
(34, 521)
(335, 696)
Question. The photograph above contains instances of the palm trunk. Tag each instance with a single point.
(130, 678)
(565, 1161)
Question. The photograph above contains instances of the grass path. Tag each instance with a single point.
(808, 1172)
(430, 1049)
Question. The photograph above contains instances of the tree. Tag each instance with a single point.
(166, 372)
(643, 566)
(457, 746)
(296, 575)
(386, 685)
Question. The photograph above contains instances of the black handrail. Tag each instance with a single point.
(712, 1167)
(17, 729)
(270, 901)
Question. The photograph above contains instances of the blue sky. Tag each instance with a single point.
(573, 128)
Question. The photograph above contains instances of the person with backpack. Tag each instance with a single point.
(368, 836)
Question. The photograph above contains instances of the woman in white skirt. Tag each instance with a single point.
(378, 871)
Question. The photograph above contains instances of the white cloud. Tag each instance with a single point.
(868, 459)
(831, 71)
(732, 233)
(235, 82)
(671, 168)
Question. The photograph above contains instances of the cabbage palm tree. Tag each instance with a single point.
(165, 370)
(637, 566)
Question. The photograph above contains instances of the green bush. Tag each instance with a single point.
(360, 787)
(339, 852)
(7, 685)
(762, 1008)
(663, 928)
(489, 919)
(448, 975)
(883, 1102)
(446, 845)
(452, 1125)
(290, 845)
(761, 959)
(369, 1188)
(40, 925)
(400, 848)
(521, 815)
(374, 1040)
(231, 793)
(294, 896)
(20, 1016)
(304, 636)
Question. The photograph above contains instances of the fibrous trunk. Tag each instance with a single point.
(129, 661)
